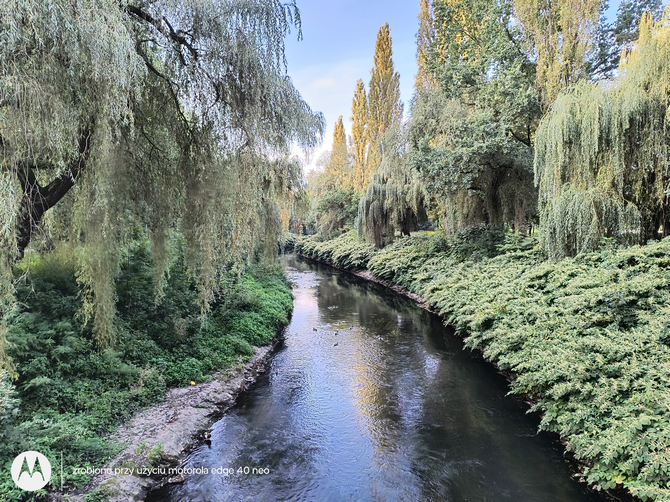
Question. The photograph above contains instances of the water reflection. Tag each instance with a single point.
(376, 404)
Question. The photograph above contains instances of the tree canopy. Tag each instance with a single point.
(471, 138)
(164, 114)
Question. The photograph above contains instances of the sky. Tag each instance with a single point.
(337, 49)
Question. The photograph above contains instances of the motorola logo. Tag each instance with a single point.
(31, 471)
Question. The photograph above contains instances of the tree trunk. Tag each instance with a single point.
(37, 200)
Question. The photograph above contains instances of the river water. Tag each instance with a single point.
(380, 403)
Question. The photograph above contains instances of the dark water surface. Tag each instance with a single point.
(377, 404)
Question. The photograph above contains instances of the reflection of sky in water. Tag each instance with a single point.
(377, 404)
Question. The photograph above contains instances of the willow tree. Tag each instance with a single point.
(563, 33)
(601, 157)
(384, 106)
(172, 115)
(394, 198)
(359, 136)
(471, 138)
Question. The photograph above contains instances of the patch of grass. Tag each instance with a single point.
(155, 454)
(100, 494)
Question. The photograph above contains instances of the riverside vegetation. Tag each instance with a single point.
(68, 394)
(540, 119)
(587, 338)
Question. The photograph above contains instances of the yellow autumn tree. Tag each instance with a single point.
(562, 32)
(424, 39)
(359, 136)
(384, 103)
(338, 166)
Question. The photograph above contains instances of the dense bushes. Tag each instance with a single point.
(346, 251)
(68, 395)
(588, 338)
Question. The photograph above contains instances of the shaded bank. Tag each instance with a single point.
(69, 397)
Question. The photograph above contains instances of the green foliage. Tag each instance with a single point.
(287, 242)
(160, 115)
(70, 394)
(601, 154)
(100, 494)
(346, 251)
(155, 454)
(336, 211)
(587, 338)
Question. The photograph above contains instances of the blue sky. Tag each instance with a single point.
(338, 47)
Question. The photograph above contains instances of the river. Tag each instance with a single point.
(371, 398)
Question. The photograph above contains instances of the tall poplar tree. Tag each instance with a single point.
(359, 136)
(339, 164)
(425, 38)
(384, 103)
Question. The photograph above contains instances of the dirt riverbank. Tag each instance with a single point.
(154, 441)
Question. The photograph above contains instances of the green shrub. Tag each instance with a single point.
(345, 251)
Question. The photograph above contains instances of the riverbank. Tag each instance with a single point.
(583, 338)
(155, 440)
(69, 398)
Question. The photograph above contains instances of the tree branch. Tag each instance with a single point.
(170, 33)
(38, 200)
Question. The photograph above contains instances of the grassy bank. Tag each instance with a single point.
(68, 395)
(588, 338)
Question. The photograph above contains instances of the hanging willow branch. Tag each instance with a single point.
(606, 147)
(171, 115)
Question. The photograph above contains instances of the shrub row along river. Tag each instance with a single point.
(379, 403)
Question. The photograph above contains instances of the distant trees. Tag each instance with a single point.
(507, 131)
(332, 189)
(378, 173)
